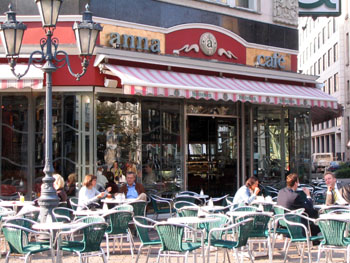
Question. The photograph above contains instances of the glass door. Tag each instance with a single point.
(212, 155)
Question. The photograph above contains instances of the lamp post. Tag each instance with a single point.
(86, 33)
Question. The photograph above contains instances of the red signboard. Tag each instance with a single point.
(206, 44)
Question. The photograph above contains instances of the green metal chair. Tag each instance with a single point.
(266, 207)
(173, 242)
(334, 234)
(63, 214)
(90, 219)
(184, 208)
(73, 202)
(139, 207)
(19, 241)
(260, 230)
(299, 231)
(222, 221)
(217, 237)
(334, 208)
(89, 245)
(143, 226)
(161, 205)
(123, 207)
(279, 226)
(188, 198)
(119, 228)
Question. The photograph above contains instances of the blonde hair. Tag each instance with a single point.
(72, 178)
(88, 180)
(59, 181)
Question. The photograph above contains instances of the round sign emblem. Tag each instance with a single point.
(208, 44)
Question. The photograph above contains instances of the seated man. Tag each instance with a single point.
(132, 189)
(336, 193)
(290, 199)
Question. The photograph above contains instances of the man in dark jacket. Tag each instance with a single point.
(289, 198)
(131, 189)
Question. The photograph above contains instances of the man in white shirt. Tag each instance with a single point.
(336, 193)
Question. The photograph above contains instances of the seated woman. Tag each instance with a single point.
(70, 184)
(88, 194)
(58, 184)
(248, 192)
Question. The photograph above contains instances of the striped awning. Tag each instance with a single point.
(150, 82)
(33, 79)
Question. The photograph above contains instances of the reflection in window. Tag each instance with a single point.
(118, 135)
(65, 136)
(161, 156)
(14, 145)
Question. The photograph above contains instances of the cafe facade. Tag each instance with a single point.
(193, 106)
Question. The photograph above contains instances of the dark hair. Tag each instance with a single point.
(130, 172)
(292, 179)
(251, 180)
(110, 176)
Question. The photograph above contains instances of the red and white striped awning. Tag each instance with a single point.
(150, 82)
(33, 79)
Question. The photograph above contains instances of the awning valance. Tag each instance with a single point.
(150, 82)
(33, 79)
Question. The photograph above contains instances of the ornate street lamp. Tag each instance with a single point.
(86, 33)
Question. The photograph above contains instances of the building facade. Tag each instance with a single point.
(324, 51)
(190, 95)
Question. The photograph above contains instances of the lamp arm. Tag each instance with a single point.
(31, 61)
(65, 60)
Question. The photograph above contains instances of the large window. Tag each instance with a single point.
(161, 146)
(246, 4)
(14, 145)
(118, 136)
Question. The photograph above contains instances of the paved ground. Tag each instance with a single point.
(125, 256)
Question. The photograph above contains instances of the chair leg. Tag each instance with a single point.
(103, 256)
(270, 251)
(148, 252)
(7, 257)
(158, 257)
(131, 243)
(286, 253)
(319, 253)
(348, 254)
(80, 258)
(107, 244)
(302, 253)
(52, 255)
(139, 253)
(27, 256)
(309, 251)
(228, 256)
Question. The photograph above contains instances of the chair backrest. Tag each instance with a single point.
(223, 221)
(242, 229)
(296, 228)
(118, 222)
(139, 207)
(123, 207)
(93, 234)
(157, 201)
(91, 219)
(280, 211)
(188, 211)
(188, 198)
(171, 236)
(246, 208)
(332, 231)
(73, 202)
(63, 214)
(219, 200)
(180, 204)
(20, 221)
(266, 207)
(260, 224)
(143, 226)
(333, 209)
(188, 193)
(16, 237)
(32, 215)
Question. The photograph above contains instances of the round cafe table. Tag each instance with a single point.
(97, 212)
